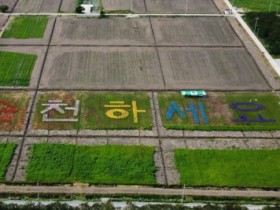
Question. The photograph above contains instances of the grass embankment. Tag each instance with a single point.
(231, 168)
(16, 68)
(26, 27)
(6, 154)
(109, 164)
(257, 5)
(219, 114)
(92, 114)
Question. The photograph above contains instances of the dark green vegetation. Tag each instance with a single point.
(108, 164)
(16, 68)
(268, 29)
(3, 8)
(6, 154)
(26, 27)
(232, 168)
(92, 113)
(219, 113)
(257, 5)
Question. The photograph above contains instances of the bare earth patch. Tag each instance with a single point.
(106, 31)
(211, 69)
(37, 6)
(179, 6)
(68, 6)
(102, 68)
(137, 6)
(194, 31)
(9, 3)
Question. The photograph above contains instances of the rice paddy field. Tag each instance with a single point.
(230, 168)
(6, 153)
(26, 27)
(98, 164)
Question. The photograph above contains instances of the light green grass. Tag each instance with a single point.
(231, 168)
(219, 113)
(26, 27)
(93, 113)
(257, 5)
(109, 164)
(6, 154)
(16, 68)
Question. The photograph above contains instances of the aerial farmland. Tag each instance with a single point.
(95, 99)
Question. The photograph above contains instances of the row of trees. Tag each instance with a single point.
(267, 27)
(109, 206)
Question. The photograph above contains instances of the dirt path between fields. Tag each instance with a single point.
(123, 190)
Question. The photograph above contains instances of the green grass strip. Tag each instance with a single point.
(231, 168)
(6, 154)
(26, 27)
(109, 164)
(16, 68)
(257, 5)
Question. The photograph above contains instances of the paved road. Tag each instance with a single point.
(134, 190)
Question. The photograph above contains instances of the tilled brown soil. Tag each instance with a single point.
(102, 68)
(137, 6)
(68, 6)
(211, 68)
(180, 6)
(194, 31)
(107, 31)
(37, 6)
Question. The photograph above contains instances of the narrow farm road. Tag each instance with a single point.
(134, 190)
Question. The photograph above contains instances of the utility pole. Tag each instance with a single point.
(270, 5)
(256, 23)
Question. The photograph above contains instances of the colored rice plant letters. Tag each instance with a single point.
(249, 107)
(61, 108)
(7, 111)
(173, 108)
(120, 113)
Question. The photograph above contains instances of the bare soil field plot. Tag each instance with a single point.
(68, 6)
(102, 68)
(107, 31)
(9, 3)
(39, 51)
(31, 41)
(194, 31)
(37, 6)
(179, 6)
(137, 6)
(3, 20)
(211, 69)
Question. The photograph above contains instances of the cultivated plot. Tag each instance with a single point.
(3, 20)
(68, 6)
(37, 6)
(6, 155)
(110, 164)
(102, 68)
(194, 31)
(28, 30)
(9, 3)
(107, 31)
(137, 6)
(21, 66)
(210, 68)
(231, 168)
(181, 6)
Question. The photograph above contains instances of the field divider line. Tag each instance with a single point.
(33, 102)
(159, 137)
(16, 3)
